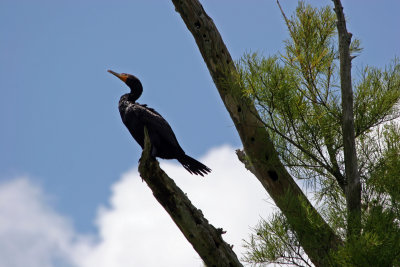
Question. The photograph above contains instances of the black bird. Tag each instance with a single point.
(163, 141)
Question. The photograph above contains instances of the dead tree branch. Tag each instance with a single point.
(315, 235)
(204, 237)
(353, 186)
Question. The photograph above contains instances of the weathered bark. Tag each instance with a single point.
(204, 237)
(315, 235)
(353, 186)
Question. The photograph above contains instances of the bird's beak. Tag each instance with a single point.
(122, 77)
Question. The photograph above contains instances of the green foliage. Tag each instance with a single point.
(310, 50)
(379, 243)
(384, 179)
(298, 99)
(376, 96)
(275, 242)
(296, 96)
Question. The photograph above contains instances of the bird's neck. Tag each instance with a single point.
(131, 97)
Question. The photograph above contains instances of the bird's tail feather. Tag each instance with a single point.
(193, 166)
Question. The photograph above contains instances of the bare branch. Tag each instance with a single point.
(204, 237)
(266, 166)
(353, 190)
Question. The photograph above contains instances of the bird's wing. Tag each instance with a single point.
(154, 122)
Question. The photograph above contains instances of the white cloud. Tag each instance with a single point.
(31, 233)
(134, 230)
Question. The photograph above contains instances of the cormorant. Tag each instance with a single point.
(163, 141)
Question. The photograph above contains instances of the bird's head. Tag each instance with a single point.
(132, 81)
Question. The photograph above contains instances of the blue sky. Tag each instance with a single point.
(60, 125)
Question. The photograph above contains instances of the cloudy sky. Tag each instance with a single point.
(70, 194)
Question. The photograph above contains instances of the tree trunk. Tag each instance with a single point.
(205, 239)
(315, 235)
(353, 187)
